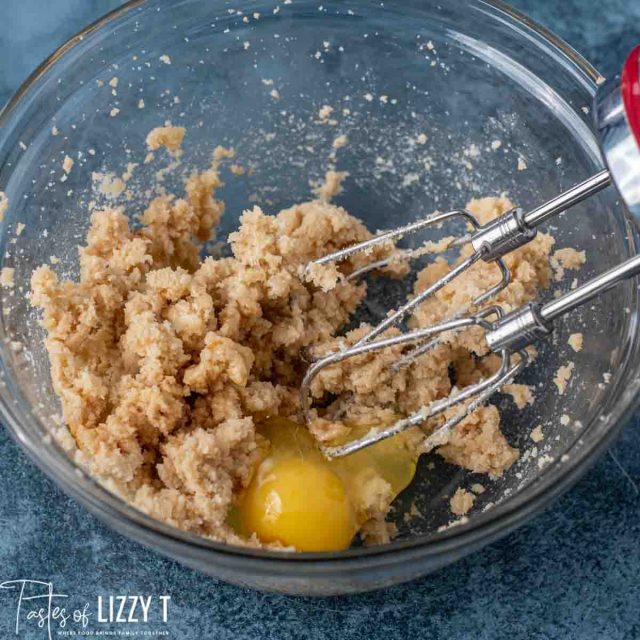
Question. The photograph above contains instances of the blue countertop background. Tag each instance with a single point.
(572, 573)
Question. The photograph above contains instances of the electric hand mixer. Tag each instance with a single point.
(617, 116)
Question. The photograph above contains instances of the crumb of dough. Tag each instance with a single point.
(109, 184)
(496, 144)
(326, 277)
(438, 246)
(54, 131)
(325, 111)
(20, 227)
(371, 496)
(275, 94)
(340, 141)
(67, 164)
(6, 276)
(576, 341)
(536, 434)
(461, 502)
(221, 153)
(237, 169)
(562, 377)
(4, 204)
(477, 488)
(327, 431)
(412, 513)
(330, 187)
(422, 138)
(472, 151)
(566, 259)
(430, 247)
(128, 174)
(478, 444)
(409, 179)
(522, 165)
(377, 531)
(165, 59)
(522, 394)
(113, 82)
(545, 460)
(114, 112)
(141, 103)
(169, 137)
(564, 419)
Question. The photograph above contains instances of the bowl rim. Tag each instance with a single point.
(503, 518)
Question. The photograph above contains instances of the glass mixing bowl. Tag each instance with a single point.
(467, 73)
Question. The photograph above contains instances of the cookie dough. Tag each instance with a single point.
(166, 363)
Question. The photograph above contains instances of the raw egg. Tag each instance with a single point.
(299, 499)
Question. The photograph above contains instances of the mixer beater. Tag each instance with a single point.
(617, 109)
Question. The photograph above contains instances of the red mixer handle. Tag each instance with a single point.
(617, 109)
(630, 89)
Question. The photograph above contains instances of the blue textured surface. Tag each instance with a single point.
(573, 573)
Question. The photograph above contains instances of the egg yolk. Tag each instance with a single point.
(298, 503)
(298, 498)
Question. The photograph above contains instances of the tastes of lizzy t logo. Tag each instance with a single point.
(37, 605)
